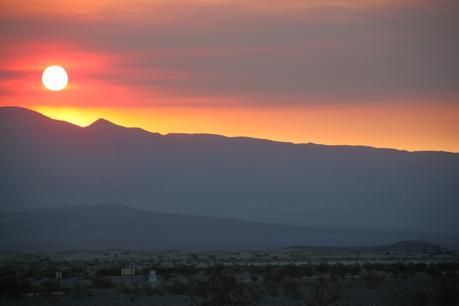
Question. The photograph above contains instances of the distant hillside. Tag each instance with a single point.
(49, 163)
(407, 245)
(111, 226)
(414, 245)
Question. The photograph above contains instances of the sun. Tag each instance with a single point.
(54, 78)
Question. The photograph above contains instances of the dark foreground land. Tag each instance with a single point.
(396, 275)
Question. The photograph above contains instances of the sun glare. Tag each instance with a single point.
(54, 78)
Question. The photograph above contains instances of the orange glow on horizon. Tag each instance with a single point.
(289, 77)
(378, 126)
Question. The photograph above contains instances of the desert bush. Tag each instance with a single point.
(102, 283)
(222, 289)
(339, 270)
(355, 269)
(50, 285)
(112, 271)
(373, 281)
(323, 267)
(292, 287)
(14, 285)
(176, 286)
(325, 293)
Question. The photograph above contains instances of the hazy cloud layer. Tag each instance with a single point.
(268, 51)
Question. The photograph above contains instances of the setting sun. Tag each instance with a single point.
(54, 78)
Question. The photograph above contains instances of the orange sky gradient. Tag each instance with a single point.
(332, 72)
(425, 128)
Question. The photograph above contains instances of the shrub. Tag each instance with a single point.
(14, 285)
(324, 294)
(102, 283)
(292, 287)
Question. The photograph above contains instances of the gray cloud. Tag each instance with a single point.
(321, 53)
(12, 74)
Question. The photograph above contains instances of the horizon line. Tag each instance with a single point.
(227, 136)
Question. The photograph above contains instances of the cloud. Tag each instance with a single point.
(272, 52)
(12, 74)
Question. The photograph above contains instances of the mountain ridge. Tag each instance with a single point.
(49, 163)
(105, 226)
(104, 123)
(405, 245)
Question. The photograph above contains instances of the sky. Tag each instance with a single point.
(382, 73)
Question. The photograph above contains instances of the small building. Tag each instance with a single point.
(152, 280)
(127, 271)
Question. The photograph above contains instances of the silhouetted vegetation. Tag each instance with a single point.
(232, 279)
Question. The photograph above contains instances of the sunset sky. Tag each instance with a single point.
(383, 73)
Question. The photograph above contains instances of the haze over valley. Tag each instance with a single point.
(347, 195)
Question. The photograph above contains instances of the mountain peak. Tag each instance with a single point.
(415, 245)
(102, 123)
(19, 113)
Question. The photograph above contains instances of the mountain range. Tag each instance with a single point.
(113, 226)
(45, 163)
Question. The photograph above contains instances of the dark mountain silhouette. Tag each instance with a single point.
(108, 226)
(405, 245)
(49, 163)
(414, 245)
